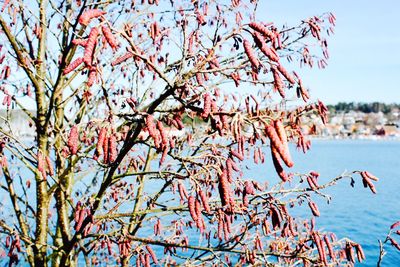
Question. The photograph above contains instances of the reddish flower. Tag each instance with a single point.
(269, 52)
(110, 38)
(314, 208)
(204, 200)
(277, 144)
(73, 65)
(250, 54)
(262, 29)
(73, 140)
(90, 14)
(90, 46)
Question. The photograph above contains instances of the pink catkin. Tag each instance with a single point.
(262, 29)
(237, 155)
(192, 208)
(395, 225)
(122, 58)
(312, 183)
(163, 134)
(276, 142)
(73, 65)
(198, 210)
(49, 166)
(112, 148)
(204, 200)
(90, 46)
(102, 136)
(92, 77)
(81, 42)
(278, 83)
(105, 150)
(151, 127)
(280, 130)
(5, 4)
(229, 170)
(314, 208)
(73, 140)
(277, 164)
(182, 191)
(330, 248)
(275, 217)
(371, 176)
(367, 182)
(360, 253)
(41, 165)
(110, 38)
(224, 189)
(147, 260)
(250, 54)
(318, 242)
(90, 14)
(152, 254)
(269, 52)
(207, 106)
(285, 74)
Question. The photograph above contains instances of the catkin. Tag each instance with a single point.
(207, 106)
(192, 208)
(268, 51)
(73, 65)
(262, 29)
(89, 48)
(224, 189)
(73, 140)
(250, 54)
(49, 166)
(285, 74)
(121, 59)
(278, 166)
(112, 148)
(276, 142)
(102, 136)
(204, 200)
(88, 15)
(314, 208)
(110, 38)
(152, 254)
(329, 246)
(278, 83)
(81, 42)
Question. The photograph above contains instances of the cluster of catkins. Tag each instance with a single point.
(45, 166)
(106, 146)
(143, 257)
(7, 96)
(90, 44)
(13, 244)
(80, 215)
(162, 141)
(279, 147)
(196, 204)
(393, 242)
(366, 179)
(263, 35)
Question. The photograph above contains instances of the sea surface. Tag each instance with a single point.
(356, 212)
(353, 212)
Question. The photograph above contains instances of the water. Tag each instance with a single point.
(355, 212)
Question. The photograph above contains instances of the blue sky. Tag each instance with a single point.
(364, 53)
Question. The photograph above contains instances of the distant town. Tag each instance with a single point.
(362, 121)
(346, 121)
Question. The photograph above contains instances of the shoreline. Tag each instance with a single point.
(356, 138)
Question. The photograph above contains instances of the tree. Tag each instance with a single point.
(140, 142)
